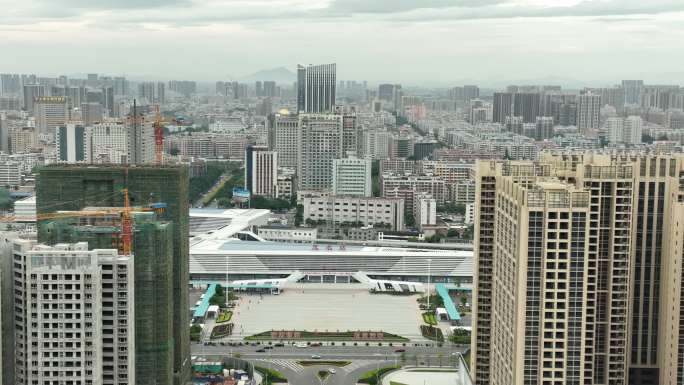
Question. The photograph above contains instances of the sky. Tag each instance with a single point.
(597, 42)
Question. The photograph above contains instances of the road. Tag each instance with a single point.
(363, 359)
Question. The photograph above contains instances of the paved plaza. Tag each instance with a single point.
(330, 307)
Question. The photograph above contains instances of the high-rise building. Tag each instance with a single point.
(588, 112)
(72, 142)
(425, 210)
(624, 130)
(386, 92)
(283, 138)
(270, 89)
(183, 87)
(11, 84)
(544, 128)
(31, 93)
(108, 102)
(261, 171)
(526, 105)
(120, 86)
(152, 92)
(632, 90)
(161, 251)
(141, 144)
(108, 143)
(352, 176)
(320, 141)
(50, 112)
(502, 107)
(10, 173)
(350, 131)
(316, 88)
(578, 270)
(376, 144)
(73, 315)
(91, 113)
(22, 140)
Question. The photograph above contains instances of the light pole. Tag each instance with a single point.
(429, 261)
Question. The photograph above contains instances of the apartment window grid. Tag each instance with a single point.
(484, 284)
(576, 299)
(532, 312)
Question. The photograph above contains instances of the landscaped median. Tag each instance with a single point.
(270, 376)
(429, 318)
(326, 336)
(224, 316)
(221, 331)
(432, 333)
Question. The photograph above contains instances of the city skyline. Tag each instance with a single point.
(435, 41)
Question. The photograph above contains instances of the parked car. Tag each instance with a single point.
(279, 345)
(315, 356)
(262, 350)
(315, 344)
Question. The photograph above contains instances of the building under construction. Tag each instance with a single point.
(159, 244)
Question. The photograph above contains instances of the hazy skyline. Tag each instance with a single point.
(486, 41)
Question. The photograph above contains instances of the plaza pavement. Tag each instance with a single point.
(330, 307)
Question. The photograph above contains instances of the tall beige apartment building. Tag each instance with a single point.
(578, 276)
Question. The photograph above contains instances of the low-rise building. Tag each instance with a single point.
(288, 234)
(363, 210)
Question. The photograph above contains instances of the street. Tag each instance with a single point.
(363, 359)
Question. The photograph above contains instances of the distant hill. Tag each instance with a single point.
(279, 75)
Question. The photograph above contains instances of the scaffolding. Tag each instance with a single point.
(159, 244)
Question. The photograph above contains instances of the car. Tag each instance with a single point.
(301, 345)
(400, 350)
(268, 347)
(279, 345)
(332, 371)
(262, 350)
(253, 344)
(315, 344)
(315, 357)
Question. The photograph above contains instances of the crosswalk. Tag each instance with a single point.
(294, 366)
(290, 364)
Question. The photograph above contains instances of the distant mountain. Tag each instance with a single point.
(279, 75)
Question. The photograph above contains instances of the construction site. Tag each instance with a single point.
(141, 211)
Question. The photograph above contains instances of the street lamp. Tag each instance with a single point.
(429, 261)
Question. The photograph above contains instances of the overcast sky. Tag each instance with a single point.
(486, 41)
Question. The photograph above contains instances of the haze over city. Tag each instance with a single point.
(568, 42)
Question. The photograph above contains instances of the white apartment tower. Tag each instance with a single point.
(261, 171)
(320, 141)
(624, 131)
(108, 143)
(283, 138)
(352, 176)
(73, 315)
(588, 112)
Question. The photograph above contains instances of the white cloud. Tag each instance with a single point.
(399, 40)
